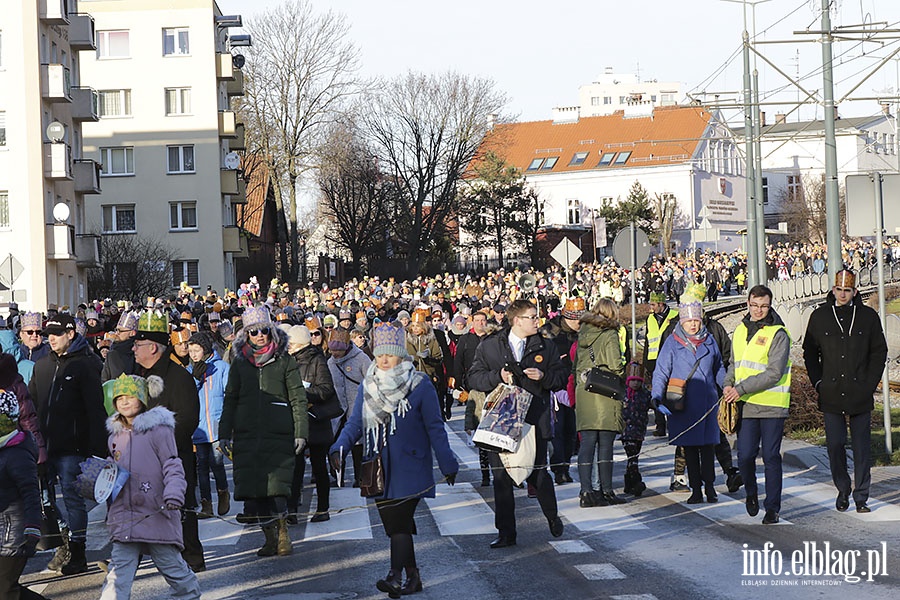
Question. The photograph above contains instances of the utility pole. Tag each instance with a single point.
(757, 183)
(753, 275)
(832, 200)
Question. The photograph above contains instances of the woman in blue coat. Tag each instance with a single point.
(397, 414)
(696, 428)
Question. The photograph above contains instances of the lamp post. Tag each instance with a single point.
(303, 261)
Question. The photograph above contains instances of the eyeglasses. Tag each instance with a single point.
(319, 333)
(263, 331)
(531, 317)
(138, 346)
(32, 332)
(759, 306)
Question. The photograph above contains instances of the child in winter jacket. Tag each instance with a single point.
(634, 413)
(144, 517)
(20, 500)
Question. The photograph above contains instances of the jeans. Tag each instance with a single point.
(564, 434)
(766, 433)
(67, 469)
(836, 441)
(596, 449)
(210, 459)
(124, 563)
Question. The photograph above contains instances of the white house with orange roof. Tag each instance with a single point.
(685, 152)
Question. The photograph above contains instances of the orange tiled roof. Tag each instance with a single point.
(250, 215)
(670, 136)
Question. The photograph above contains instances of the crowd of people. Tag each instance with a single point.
(268, 377)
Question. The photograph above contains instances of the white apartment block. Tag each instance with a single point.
(44, 176)
(166, 134)
(611, 92)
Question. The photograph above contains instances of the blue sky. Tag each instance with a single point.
(539, 53)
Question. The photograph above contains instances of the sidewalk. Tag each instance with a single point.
(803, 455)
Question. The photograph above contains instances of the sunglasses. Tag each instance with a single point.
(32, 332)
(263, 331)
(319, 333)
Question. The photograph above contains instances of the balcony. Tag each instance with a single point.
(60, 241)
(85, 104)
(239, 141)
(231, 239)
(56, 83)
(57, 161)
(81, 32)
(87, 176)
(224, 67)
(226, 124)
(235, 86)
(54, 12)
(229, 181)
(241, 196)
(87, 249)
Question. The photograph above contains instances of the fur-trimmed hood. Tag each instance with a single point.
(598, 321)
(155, 417)
(240, 340)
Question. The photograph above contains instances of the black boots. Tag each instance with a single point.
(77, 561)
(634, 485)
(733, 480)
(413, 582)
(390, 584)
(270, 547)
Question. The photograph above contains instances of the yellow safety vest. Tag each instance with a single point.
(623, 342)
(751, 358)
(654, 333)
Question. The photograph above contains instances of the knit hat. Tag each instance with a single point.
(339, 340)
(691, 303)
(256, 317)
(403, 315)
(299, 334)
(133, 385)
(225, 329)
(127, 321)
(459, 324)
(330, 321)
(389, 339)
(9, 414)
(153, 325)
(31, 321)
(573, 309)
(657, 297)
(634, 371)
(91, 314)
(202, 339)
(845, 278)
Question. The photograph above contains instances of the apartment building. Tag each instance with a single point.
(45, 247)
(165, 139)
(611, 92)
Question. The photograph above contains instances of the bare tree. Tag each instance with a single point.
(666, 209)
(426, 129)
(299, 73)
(803, 208)
(134, 267)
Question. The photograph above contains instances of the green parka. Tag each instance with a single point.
(594, 411)
(263, 413)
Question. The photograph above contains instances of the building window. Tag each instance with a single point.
(185, 270)
(113, 44)
(623, 99)
(183, 215)
(595, 100)
(573, 211)
(2, 128)
(536, 164)
(606, 159)
(119, 218)
(621, 158)
(115, 103)
(117, 161)
(578, 159)
(794, 188)
(891, 148)
(4, 210)
(176, 41)
(181, 159)
(543, 164)
(178, 101)
(607, 99)
(549, 163)
(765, 188)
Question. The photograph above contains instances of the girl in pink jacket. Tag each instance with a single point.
(144, 517)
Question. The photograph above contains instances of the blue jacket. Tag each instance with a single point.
(10, 345)
(212, 395)
(407, 455)
(702, 390)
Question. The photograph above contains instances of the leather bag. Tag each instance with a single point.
(728, 417)
(371, 480)
(606, 383)
(675, 390)
(324, 411)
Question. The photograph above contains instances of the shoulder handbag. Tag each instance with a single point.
(600, 381)
(330, 409)
(674, 398)
(371, 478)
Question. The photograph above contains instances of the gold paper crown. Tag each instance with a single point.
(153, 321)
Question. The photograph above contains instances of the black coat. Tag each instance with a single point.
(845, 367)
(494, 353)
(119, 360)
(314, 370)
(68, 397)
(465, 356)
(180, 396)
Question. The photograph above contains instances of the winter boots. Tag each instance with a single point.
(206, 509)
(224, 502)
(62, 553)
(283, 538)
(270, 547)
(77, 560)
(634, 484)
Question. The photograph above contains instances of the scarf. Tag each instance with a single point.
(13, 438)
(384, 398)
(198, 370)
(259, 356)
(691, 342)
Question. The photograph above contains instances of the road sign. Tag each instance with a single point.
(621, 249)
(861, 204)
(565, 253)
(10, 270)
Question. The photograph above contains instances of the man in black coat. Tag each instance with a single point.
(152, 355)
(465, 356)
(845, 352)
(68, 397)
(525, 351)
